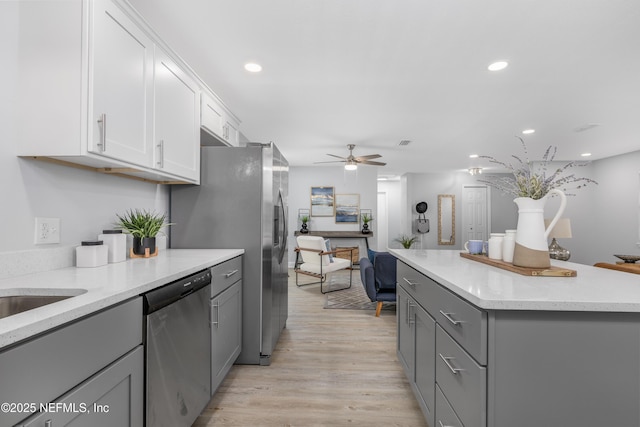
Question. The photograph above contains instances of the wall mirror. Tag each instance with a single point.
(446, 219)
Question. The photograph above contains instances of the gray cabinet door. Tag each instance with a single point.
(112, 397)
(405, 349)
(226, 332)
(425, 368)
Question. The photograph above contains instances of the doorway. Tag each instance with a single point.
(382, 223)
(475, 213)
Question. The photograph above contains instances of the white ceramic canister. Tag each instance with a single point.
(495, 245)
(508, 245)
(116, 243)
(92, 253)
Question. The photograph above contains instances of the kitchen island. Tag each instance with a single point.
(487, 347)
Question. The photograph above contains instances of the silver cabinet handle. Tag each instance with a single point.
(412, 319)
(409, 282)
(48, 423)
(231, 273)
(216, 305)
(103, 135)
(453, 321)
(453, 370)
(160, 161)
(442, 425)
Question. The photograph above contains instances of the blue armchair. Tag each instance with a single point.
(379, 278)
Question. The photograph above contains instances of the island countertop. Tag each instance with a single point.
(594, 289)
(98, 288)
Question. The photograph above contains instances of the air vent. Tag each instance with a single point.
(586, 127)
(404, 142)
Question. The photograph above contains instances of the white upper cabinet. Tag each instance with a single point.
(218, 121)
(98, 89)
(176, 119)
(120, 87)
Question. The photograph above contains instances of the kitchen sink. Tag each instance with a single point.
(14, 304)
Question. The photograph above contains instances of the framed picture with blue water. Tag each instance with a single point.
(322, 201)
(347, 208)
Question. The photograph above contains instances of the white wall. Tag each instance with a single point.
(363, 181)
(393, 192)
(86, 202)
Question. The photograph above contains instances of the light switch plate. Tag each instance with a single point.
(47, 231)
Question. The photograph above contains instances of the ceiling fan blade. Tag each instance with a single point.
(370, 156)
(369, 162)
(331, 161)
(339, 157)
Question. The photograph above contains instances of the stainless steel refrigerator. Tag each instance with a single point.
(241, 202)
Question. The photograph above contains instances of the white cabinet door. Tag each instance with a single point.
(232, 132)
(213, 116)
(121, 85)
(176, 119)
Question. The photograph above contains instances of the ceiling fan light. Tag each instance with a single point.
(350, 166)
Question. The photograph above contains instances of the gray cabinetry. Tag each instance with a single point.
(226, 319)
(112, 397)
(47, 367)
(506, 368)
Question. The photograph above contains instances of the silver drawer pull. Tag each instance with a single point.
(442, 425)
(409, 282)
(453, 321)
(449, 365)
(231, 273)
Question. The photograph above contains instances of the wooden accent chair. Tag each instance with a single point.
(318, 260)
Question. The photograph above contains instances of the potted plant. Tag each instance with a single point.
(366, 219)
(144, 226)
(406, 241)
(305, 220)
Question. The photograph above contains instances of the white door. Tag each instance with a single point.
(121, 87)
(176, 120)
(382, 223)
(474, 213)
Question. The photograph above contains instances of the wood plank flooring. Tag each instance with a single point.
(330, 367)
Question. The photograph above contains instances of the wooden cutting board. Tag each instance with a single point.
(525, 271)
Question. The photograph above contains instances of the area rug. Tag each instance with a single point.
(354, 298)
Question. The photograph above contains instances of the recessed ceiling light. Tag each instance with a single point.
(585, 154)
(253, 67)
(528, 131)
(498, 65)
(473, 156)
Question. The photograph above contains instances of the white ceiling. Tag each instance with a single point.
(375, 72)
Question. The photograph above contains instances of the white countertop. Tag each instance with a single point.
(105, 286)
(594, 289)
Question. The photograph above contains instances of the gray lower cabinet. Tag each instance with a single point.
(70, 364)
(226, 319)
(470, 367)
(417, 337)
(113, 397)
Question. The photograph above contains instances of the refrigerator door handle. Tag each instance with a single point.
(283, 244)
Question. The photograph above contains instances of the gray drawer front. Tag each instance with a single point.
(44, 368)
(464, 322)
(225, 275)
(417, 285)
(462, 381)
(445, 415)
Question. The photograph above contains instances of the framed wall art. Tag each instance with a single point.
(347, 208)
(322, 199)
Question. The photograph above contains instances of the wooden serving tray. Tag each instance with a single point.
(525, 271)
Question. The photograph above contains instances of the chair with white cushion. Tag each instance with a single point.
(318, 260)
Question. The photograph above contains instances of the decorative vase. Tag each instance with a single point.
(365, 229)
(141, 244)
(304, 229)
(531, 248)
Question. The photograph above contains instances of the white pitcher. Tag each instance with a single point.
(531, 248)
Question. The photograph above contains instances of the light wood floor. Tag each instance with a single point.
(330, 367)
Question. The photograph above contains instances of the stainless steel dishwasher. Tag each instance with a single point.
(178, 351)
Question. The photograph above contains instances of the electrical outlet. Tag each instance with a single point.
(47, 231)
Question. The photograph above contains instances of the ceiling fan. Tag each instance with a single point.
(351, 162)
